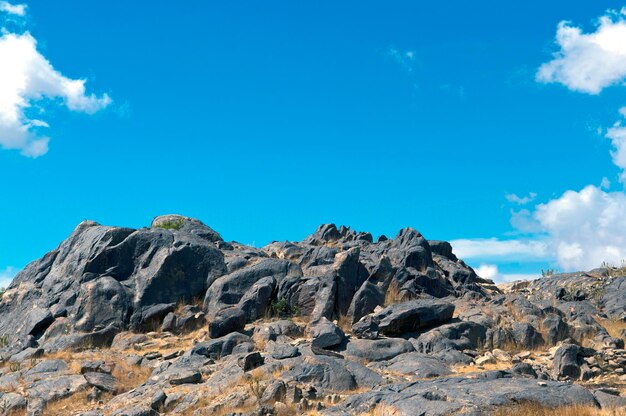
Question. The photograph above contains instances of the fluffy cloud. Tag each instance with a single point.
(6, 276)
(491, 271)
(520, 200)
(28, 82)
(16, 9)
(495, 249)
(580, 230)
(589, 62)
(586, 227)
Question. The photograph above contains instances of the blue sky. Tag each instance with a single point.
(265, 120)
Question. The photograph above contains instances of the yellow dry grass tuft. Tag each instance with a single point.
(393, 294)
(345, 324)
(534, 409)
(71, 405)
(129, 376)
(615, 327)
(467, 369)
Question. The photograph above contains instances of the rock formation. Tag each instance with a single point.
(171, 319)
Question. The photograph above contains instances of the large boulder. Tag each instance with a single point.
(378, 349)
(106, 277)
(459, 336)
(406, 317)
(463, 395)
(325, 334)
(568, 360)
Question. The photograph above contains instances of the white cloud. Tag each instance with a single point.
(6, 276)
(495, 249)
(520, 200)
(487, 271)
(27, 82)
(491, 272)
(589, 62)
(585, 228)
(524, 221)
(16, 9)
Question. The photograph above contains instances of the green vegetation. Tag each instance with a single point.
(4, 341)
(175, 224)
(547, 272)
(282, 309)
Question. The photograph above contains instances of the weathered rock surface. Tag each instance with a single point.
(171, 319)
(446, 396)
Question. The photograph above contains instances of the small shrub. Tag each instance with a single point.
(547, 272)
(281, 308)
(175, 224)
(15, 367)
(4, 341)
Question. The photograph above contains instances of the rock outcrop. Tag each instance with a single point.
(172, 319)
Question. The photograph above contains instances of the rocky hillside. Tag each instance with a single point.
(172, 319)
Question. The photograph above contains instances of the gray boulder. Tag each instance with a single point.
(459, 336)
(104, 277)
(406, 317)
(11, 403)
(227, 321)
(414, 364)
(325, 334)
(102, 381)
(472, 396)
(378, 349)
(227, 291)
(568, 360)
(366, 328)
(56, 388)
(220, 347)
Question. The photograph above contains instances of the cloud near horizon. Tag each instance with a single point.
(589, 62)
(6, 276)
(28, 82)
(491, 271)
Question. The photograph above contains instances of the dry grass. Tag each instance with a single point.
(128, 376)
(344, 323)
(615, 327)
(72, 405)
(534, 409)
(393, 294)
(467, 369)
(197, 301)
(252, 383)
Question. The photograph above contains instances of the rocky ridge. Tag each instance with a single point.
(172, 319)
